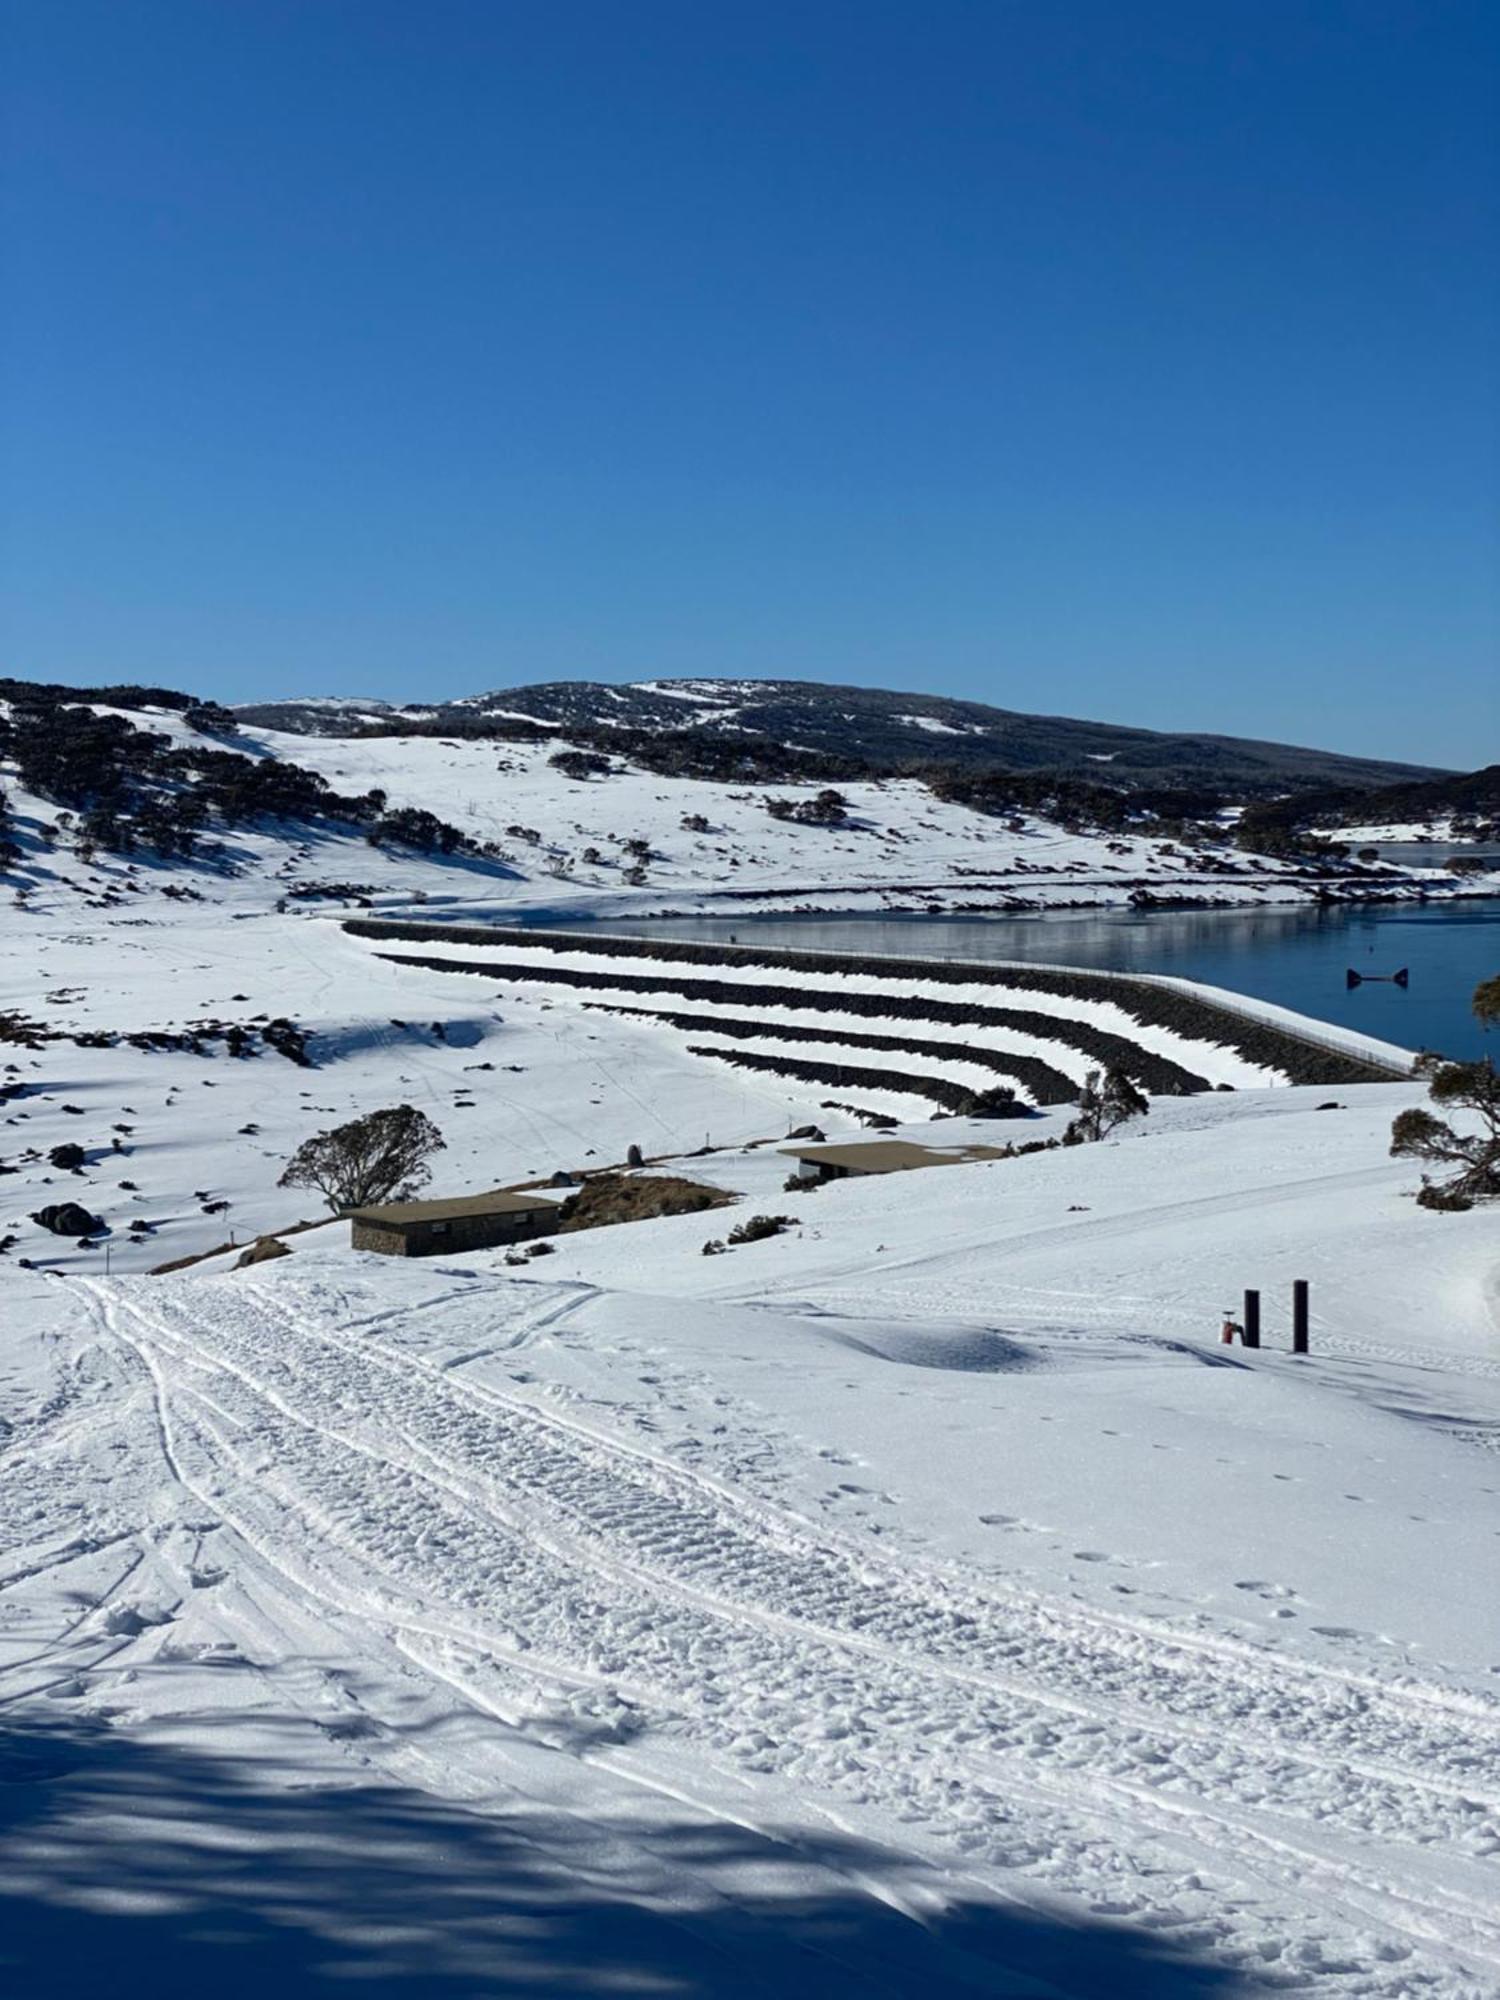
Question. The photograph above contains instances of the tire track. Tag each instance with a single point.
(447, 1496)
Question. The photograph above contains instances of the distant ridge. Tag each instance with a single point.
(880, 729)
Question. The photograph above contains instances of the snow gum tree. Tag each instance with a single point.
(1469, 1158)
(1107, 1099)
(381, 1157)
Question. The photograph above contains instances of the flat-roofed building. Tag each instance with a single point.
(472, 1222)
(879, 1156)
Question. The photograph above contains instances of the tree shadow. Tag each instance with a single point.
(133, 1869)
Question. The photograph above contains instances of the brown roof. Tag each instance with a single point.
(402, 1214)
(887, 1156)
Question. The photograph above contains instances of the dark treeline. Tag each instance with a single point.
(1471, 799)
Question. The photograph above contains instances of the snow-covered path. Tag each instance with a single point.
(690, 1639)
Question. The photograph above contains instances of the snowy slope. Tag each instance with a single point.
(902, 848)
(919, 1601)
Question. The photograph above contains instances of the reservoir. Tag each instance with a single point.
(1297, 957)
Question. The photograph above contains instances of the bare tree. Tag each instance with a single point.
(381, 1157)
(1107, 1099)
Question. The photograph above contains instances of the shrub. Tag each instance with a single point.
(581, 764)
(756, 1228)
(1447, 1199)
(416, 828)
(829, 808)
(999, 1101)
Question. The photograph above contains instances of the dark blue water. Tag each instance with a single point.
(1295, 957)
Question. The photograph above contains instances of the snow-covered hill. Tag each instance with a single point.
(898, 847)
(885, 729)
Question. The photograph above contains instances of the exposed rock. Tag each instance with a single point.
(68, 1218)
(261, 1251)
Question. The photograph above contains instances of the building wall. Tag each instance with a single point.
(463, 1232)
(367, 1236)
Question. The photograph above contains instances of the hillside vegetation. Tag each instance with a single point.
(858, 732)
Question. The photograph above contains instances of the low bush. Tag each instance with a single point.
(756, 1228)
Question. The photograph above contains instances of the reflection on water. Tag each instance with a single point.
(1297, 957)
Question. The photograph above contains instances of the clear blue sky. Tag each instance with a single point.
(1132, 360)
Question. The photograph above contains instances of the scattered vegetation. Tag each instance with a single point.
(1469, 800)
(608, 1198)
(130, 789)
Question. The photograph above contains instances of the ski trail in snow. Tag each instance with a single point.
(668, 1613)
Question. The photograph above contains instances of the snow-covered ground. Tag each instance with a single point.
(1398, 832)
(902, 848)
(919, 1600)
(518, 1075)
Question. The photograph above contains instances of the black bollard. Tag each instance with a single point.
(1251, 1335)
(1299, 1316)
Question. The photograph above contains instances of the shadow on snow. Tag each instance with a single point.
(132, 1869)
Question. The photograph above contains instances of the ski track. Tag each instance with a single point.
(507, 1549)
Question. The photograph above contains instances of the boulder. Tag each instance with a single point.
(68, 1218)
